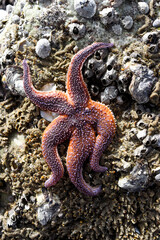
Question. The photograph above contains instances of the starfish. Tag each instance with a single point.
(90, 125)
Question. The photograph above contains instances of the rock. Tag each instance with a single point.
(156, 23)
(43, 48)
(143, 7)
(85, 8)
(142, 151)
(137, 180)
(3, 15)
(142, 83)
(48, 209)
(109, 94)
(127, 22)
(117, 29)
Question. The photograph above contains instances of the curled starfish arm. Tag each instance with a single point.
(106, 128)
(55, 101)
(80, 147)
(56, 132)
(76, 87)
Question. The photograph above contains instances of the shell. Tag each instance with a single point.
(43, 48)
(85, 8)
(76, 30)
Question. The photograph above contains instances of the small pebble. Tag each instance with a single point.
(9, 8)
(117, 29)
(43, 48)
(156, 23)
(143, 7)
(127, 22)
(15, 19)
(85, 8)
(3, 14)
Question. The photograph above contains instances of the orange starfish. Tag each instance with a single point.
(90, 125)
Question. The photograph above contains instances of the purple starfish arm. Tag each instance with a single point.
(55, 101)
(105, 131)
(80, 147)
(76, 87)
(56, 133)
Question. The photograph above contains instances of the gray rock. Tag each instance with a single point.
(85, 8)
(143, 7)
(109, 94)
(156, 23)
(117, 29)
(127, 22)
(137, 180)
(48, 208)
(142, 83)
(15, 19)
(43, 48)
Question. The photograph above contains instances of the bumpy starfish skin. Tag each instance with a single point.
(90, 125)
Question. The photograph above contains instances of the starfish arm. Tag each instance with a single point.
(76, 86)
(81, 145)
(106, 128)
(55, 101)
(57, 132)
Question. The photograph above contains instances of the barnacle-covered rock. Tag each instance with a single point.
(155, 141)
(76, 30)
(110, 74)
(85, 8)
(110, 93)
(13, 78)
(137, 180)
(108, 15)
(142, 151)
(141, 134)
(151, 37)
(48, 208)
(97, 67)
(123, 82)
(127, 22)
(142, 83)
